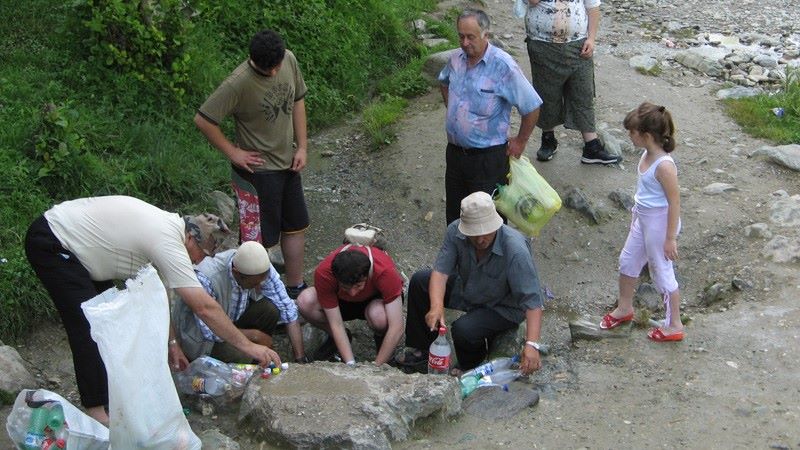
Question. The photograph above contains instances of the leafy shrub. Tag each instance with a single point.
(144, 38)
(407, 82)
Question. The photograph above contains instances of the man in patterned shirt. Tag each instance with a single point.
(240, 280)
(480, 83)
(561, 40)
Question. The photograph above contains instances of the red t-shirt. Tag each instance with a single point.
(384, 283)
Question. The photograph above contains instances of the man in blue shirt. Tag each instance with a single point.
(251, 294)
(484, 268)
(479, 84)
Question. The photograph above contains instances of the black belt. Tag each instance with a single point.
(477, 151)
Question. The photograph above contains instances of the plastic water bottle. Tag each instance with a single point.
(49, 415)
(205, 375)
(439, 354)
(502, 377)
(491, 367)
(470, 384)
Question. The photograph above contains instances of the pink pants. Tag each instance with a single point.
(645, 245)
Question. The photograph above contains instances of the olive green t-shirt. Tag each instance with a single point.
(262, 109)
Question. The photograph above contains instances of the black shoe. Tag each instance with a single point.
(548, 148)
(327, 351)
(294, 291)
(595, 153)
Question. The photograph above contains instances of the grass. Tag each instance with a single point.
(654, 71)
(379, 117)
(756, 114)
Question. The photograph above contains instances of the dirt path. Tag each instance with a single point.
(735, 380)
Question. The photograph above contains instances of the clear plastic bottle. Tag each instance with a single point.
(491, 367)
(470, 384)
(502, 377)
(439, 354)
(45, 416)
(205, 375)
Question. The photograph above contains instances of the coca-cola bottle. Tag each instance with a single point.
(439, 354)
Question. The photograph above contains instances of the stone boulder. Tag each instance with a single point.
(785, 155)
(14, 377)
(434, 64)
(332, 405)
(701, 60)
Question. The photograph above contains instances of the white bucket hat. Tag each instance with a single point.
(251, 259)
(478, 215)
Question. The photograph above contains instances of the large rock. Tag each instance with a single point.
(493, 403)
(434, 64)
(738, 92)
(14, 377)
(785, 212)
(332, 405)
(786, 155)
(645, 63)
(701, 60)
(782, 249)
(213, 439)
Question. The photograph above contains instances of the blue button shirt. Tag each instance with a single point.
(480, 97)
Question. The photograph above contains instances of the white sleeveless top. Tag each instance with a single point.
(649, 192)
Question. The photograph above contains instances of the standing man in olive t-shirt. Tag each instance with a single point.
(265, 97)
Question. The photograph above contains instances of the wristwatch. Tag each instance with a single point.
(534, 344)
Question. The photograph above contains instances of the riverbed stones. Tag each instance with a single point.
(14, 377)
(494, 403)
(782, 249)
(718, 188)
(785, 212)
(784, 155)
(338, 406)
(758, 230)
(738, 92)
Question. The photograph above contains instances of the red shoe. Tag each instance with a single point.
(657, 335)
(610, 321)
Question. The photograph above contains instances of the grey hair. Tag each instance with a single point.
(479, 15)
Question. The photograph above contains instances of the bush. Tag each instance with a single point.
(144, 38)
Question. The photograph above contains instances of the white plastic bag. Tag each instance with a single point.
(131, 328)
(83, 432)
(520, 8)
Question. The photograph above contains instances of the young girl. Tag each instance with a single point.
(656, 222)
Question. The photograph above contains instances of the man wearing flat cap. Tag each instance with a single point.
(253, 296)
(79, 247)
(484, 268)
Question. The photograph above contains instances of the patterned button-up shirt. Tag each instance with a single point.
(480, 97)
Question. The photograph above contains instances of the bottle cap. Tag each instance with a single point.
(276, 370)
(284, 366)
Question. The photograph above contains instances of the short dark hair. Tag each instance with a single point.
(350, 267)
(267, 49)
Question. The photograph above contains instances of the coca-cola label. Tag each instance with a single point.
(438, 362)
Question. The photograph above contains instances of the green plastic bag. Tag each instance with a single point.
(527, 200)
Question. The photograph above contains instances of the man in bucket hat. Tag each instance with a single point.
(250, 291)
(484, 268)
(79, 247)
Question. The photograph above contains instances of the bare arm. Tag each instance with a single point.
(210, 312)
(240, 158)
(516, 145)
(591, 32)
(296, 338)
(177, 359)
(667, 175)
(531, 361)
(299, 122)
(394, 317)
(336, 324)
(436, 288)
(445, 90)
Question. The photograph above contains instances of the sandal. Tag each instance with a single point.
(409, 357)
(610, 321)
(658, 335)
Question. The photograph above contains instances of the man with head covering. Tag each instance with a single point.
(240, 280)
(79, 247)
(484, 268)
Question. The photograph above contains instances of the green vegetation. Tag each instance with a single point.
(97, 98)
(379, 116)
(756, 115)
(653, 71)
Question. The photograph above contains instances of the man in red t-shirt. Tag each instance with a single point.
(355, 282)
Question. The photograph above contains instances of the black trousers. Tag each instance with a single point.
(471, 170)
(262, 315)
(69, 285)
(472, 333)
